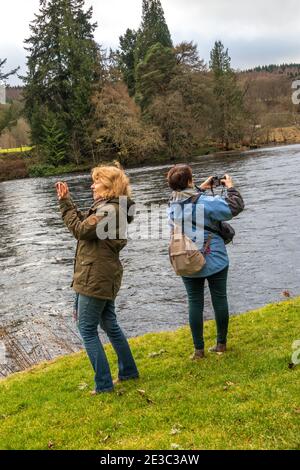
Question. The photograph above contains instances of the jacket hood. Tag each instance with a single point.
(180, 196)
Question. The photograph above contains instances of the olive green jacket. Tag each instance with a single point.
(97, 267)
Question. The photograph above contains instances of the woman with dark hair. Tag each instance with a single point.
(186, 202)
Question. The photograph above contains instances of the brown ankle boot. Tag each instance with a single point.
(219, 348)
(198, 354)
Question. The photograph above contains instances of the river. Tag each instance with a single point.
(36, 250)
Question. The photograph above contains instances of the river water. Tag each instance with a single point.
(36, 250)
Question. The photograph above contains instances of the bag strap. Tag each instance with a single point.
(207, 244)
(194, 200)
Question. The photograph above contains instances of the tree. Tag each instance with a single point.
(4, 76)
(229, 112)
(126, 59)
(153, 30)
(187, 57)
(63, 67)
(118, 128)
(154, 74)
(53, 141)
(174, 120)
(9, 116)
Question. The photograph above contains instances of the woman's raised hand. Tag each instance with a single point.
(207, 183)
(227, 180)
(62, 190)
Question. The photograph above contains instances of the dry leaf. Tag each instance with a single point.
(175, 430)
(175, 446)
(155, 354)
(82, 386)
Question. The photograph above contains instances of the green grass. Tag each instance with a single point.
(245, 399)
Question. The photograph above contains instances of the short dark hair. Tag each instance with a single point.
(179, 177)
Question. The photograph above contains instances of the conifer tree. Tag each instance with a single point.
(53, 144)
(154, 74)
(227, 124)
(62, 66)
(126, 59)
(4, 76)
(153, 30)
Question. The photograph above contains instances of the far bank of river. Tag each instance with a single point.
(15, 166)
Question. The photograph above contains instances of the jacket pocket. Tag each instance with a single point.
(81, 275)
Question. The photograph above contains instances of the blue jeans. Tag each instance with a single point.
(91, 313)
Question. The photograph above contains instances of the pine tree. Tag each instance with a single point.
(153, 30)
(4, 76)
(227, 124)
(126, 59)
(154, 74)
(53, 141)
(220, 62)
(62, 66)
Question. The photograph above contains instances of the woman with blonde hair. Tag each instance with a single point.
(98, 270)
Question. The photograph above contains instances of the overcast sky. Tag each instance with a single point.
(256, 32)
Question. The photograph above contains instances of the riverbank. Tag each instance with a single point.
(247, 398)
(14, 166)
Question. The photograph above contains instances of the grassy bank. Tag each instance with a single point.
(245, 399)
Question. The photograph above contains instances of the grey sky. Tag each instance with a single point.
(256, 32)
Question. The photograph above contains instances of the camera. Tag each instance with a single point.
(216, 181)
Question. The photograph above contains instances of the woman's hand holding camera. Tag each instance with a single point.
(207, 183)
(226, 181)
(62, 190)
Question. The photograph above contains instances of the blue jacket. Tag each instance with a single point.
(207, 210)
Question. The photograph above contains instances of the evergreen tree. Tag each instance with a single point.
(227, 124)
(154, 74)
(126, 59)
(153, 30)
(53, 141)
(4, 76)
(62, 66)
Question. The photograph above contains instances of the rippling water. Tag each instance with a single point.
(36, 250)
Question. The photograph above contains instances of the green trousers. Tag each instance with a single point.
(218, 289)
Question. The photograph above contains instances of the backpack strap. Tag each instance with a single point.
(207, 244)
(194, 200)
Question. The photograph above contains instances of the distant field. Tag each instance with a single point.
(15, 150)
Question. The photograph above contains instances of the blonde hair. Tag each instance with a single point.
(114, 180)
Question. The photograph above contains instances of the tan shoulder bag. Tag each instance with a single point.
(184, 254)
